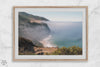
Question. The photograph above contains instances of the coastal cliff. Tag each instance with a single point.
(33, 27)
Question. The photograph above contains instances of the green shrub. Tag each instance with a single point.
(67, 51)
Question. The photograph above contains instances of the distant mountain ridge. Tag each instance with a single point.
(31, 17)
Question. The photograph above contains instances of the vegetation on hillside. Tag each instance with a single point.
(67, 51)
(26, 48)
(30, 16)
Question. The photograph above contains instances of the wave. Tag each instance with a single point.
(47, 42)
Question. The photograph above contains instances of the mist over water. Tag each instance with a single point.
(47, 42)
(65, 34)
(53, 33)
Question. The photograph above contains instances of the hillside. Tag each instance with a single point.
(29, 17)
(33, 27)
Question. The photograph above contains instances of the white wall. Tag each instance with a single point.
(6, 26)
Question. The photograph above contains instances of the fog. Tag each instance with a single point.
(66, 30)
(66, 33)
(51, 32)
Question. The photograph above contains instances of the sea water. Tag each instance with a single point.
(65, 34)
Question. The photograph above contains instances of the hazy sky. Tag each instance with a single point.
(60, 16)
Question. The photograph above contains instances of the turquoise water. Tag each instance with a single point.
(66, 34)
(68, 43)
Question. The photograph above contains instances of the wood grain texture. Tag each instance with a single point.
(86, 7)
(13, 33)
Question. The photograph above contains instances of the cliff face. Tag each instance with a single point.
(33, 27)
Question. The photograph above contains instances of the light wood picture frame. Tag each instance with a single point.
(40, 14)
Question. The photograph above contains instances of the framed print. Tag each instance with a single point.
(50, 33)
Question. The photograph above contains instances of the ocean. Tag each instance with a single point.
(65, 34)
